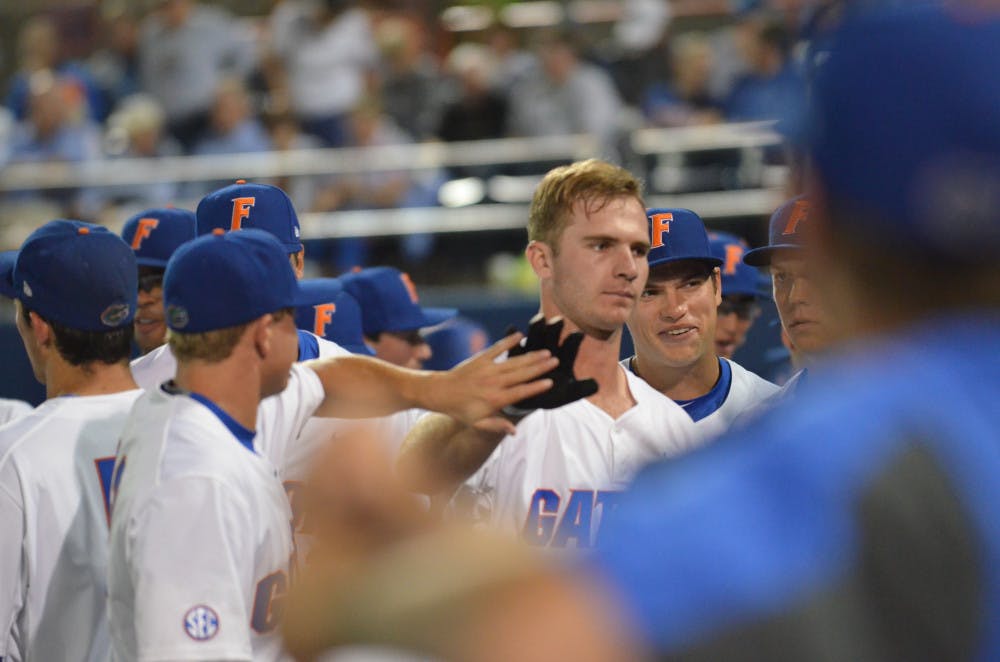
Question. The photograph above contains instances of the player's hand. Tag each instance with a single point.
(475, 391)
(543, 335)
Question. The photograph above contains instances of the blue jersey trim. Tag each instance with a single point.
(243, 435)
(700, 407)
(308, 346)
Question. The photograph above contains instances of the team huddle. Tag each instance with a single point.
(192, 456)
(153, 510)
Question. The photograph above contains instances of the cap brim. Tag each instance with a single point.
(435, 316)
(761, 257)
(713, 261)
(7, 260)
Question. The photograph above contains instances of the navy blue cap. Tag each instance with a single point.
(678, 234)
(154, 234)
(227, 279)
(737, 277)
(903, 127)
(389, 301)
(242, 206)
(453, 342)
(337, 317)
(79, 275)
(784, 231)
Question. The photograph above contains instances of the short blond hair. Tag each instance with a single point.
(592, 182)
(210, 346)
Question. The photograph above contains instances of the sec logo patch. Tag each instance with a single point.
(201, 623)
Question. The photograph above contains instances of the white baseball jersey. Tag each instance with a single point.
(55, 475)
(562, 471)
(737, 391)
(159, 365)
(12, 409)
(201, 545)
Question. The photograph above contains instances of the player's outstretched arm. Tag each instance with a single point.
(440, 453)
(471, 392)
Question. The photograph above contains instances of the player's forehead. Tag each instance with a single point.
(621, 217)
(788, 260)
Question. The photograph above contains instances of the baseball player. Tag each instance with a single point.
(800, 304)
(392, 315)
(154, 235)
(559, 473)
(673, 327)
(234, 208)
(200, 549)
(74, 286)
(336, 318)
(741, 293)
(857, 523)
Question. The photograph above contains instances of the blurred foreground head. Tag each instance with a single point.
(903, 140)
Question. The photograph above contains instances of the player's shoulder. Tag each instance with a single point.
(751, 381)
(649, 399)
(154, 368)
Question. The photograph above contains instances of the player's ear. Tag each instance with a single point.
(260, 332)
(717, 285)
(539, 256)
(298, 262)
(40, 330)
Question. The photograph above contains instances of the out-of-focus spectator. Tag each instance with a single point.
(56, 129)
(137, 130)
(479, 111)
(511, 62)
(38, 50)
(115, 66)
(369, 126)
(232, 128)
(637, 47)
(286, 135)
(686, 98)
(565, 95)
(772, 83)
(411, 86)
(329, 53)
(186, 49)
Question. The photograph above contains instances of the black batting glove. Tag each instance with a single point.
(566, 388)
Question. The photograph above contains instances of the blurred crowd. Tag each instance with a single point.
(175, 77)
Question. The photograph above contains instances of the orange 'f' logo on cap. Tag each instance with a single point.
(324, 315)
(144, 229)
(799, 213)
(733, 254)
(241, 210)
(661, 226)
(410, 287)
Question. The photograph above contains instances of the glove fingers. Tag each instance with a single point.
(536, 333)
(568, 350)
(553, 329)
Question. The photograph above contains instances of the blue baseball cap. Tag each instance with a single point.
(737, 278)
(337, 317)
(79, 275)
(903, 127)
(154, 234)
(242, 206)
(453, 342)
(389, 301)
(678, 234)
(784, 231)
(227, 279)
